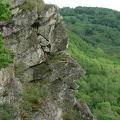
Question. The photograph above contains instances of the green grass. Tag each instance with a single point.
(30, 5)
(5, 92)
(40, 6)
(6, 112)
(71, 114)
(57, 56)
(34, 94)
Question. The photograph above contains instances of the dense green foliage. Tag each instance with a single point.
(95, 43)
(5, 13)
(5, 55)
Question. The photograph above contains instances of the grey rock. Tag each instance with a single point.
(48, 13)
(61, 38)
(34, 57)
(46, 49)
(84, 111)
(43, 41)
(54, 30)
(19, 21)
(49, 112)
(46, 30)
(10, 89)
(63, 86)
(16, 11)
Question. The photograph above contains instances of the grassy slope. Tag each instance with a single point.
(101, 83)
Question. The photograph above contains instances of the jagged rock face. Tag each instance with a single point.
(84, 111)
(33, 35)
(39, 41)
(63, 87)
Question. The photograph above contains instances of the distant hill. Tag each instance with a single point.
(94, 35)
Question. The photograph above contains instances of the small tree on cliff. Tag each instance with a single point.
(5, 56)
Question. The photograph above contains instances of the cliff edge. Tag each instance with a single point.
(40, 85)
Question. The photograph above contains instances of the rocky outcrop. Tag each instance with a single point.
(39, 41)
(84, 111)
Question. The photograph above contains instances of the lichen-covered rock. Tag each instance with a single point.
(84, 111)
(18, 22)
(63, 87)
(54, 30)
(61, 38)
(49, 13)
(49, 112)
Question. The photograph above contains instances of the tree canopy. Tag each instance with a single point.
(94, 35)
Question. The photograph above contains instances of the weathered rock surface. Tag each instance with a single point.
(63, 87)
(39, 41)
(10, 89)
(49, 112)
(84, 111)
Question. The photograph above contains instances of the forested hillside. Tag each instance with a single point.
(94, 35)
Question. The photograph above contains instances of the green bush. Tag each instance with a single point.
(5, 57)
(71, 114)
(34, 93)
(30, 5)
(32, 98)
(5, 13)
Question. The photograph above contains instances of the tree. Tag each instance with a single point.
(5, 54)
(94, 41)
